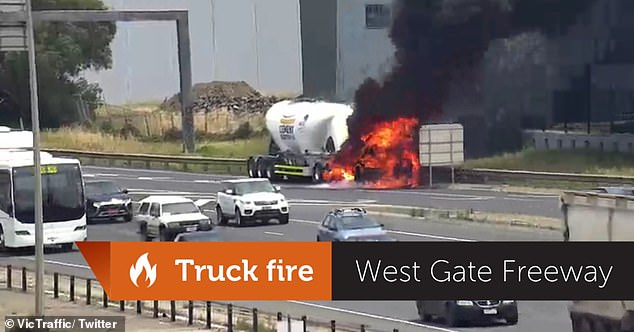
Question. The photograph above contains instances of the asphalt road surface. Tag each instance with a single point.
(308, 207)
(205, 184)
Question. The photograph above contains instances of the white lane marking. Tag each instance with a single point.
(534, 195)
(89, 175)
(206, 181)
(423, 235)
(358, 313)
(438, 237)
(106, 174)
(58, 263)
(274, 233)
(517, 199)
(144, 178)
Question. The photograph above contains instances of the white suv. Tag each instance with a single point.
(167, 216)
(251, 199)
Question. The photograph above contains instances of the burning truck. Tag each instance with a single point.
(309, 139)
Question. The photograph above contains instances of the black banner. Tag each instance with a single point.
(482, 270)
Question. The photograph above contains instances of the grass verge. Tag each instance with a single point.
(583, 162)
(85, 140)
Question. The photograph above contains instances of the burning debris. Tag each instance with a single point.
(436, 41)
(388, 157)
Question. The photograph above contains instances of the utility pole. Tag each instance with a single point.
(35, 128)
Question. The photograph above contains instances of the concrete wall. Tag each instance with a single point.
(362, 51)
(552, 140)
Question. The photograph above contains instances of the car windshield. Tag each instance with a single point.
(244, 188)
(101, 188)
(199, 237)
(356, 222)
(62, 193)
(180, 208)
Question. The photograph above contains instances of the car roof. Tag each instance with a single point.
(246, 180)
(164, 199)
(348, 212)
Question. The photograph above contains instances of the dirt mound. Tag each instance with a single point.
(237, 96)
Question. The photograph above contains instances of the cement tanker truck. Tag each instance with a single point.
(590, 216)
(304, 134)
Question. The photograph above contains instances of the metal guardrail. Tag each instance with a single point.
(232, 166)
(211, 314)
(238, 166)
(495, 175)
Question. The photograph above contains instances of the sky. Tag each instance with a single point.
(145, 61)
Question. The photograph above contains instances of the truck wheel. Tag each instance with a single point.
(251, 167)
(270, 171)
(259, 168)
(358, 174)
(318, 176)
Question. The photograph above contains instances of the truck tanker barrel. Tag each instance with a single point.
(304, 134)
(591, 216)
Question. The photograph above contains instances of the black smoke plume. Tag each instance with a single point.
(440, 41)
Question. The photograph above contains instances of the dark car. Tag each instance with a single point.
(458, 311)
(107, 201)
(200, 236)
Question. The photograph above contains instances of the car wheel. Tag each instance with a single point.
(284, 219)
(2, 240)
(512, 320)
(239, 220)
(127, 217)
(67, 246)
(163, 234)
(450, 316)
(219, 216)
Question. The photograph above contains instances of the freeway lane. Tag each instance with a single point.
(547, 316)
(540, 205)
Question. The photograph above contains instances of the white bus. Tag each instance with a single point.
(64, 207)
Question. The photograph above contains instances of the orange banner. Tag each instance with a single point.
(238, 271)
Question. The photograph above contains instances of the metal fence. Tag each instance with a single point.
(210, 314)
(238, 166)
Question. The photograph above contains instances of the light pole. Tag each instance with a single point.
(35, 128)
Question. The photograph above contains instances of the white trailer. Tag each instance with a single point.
(589, 216)
(304, 134)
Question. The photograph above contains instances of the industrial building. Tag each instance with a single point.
(343, 43)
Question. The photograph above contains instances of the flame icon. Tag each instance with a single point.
(143, 264)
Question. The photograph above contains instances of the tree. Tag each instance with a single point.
(63, 51)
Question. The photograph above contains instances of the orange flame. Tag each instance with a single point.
(390, 151)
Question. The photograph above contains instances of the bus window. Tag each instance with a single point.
(62, 193)
(5, 193)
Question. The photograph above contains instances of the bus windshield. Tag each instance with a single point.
(62, 193)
